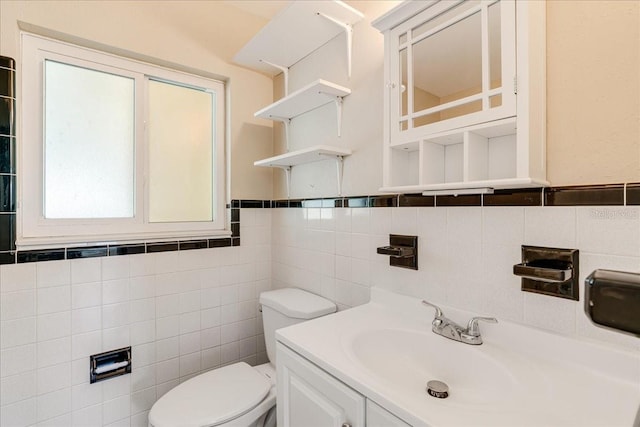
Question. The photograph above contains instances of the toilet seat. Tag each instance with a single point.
(212, 398)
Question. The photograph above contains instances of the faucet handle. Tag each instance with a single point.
(438, 310)
(473, 329)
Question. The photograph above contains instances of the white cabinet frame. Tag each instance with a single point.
(523, 75)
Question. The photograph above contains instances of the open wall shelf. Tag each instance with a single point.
(307, 155)
(299, 29)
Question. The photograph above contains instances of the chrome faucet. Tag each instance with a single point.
(441, 325)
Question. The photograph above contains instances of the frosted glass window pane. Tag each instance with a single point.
(180, 153)
(89, 143)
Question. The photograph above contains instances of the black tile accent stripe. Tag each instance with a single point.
(162, 247)
(356, 202)
(383, 201)
(596, 195)
(126, 249)
(633, 194)
(87, 252)
(7, 62)
(41, 255)
(7, 189)
(249, 204)
(192, 244)
(7, 161)
(7, 240)
(7, 84)
(416, 200)
(220, 243)
(322, 203)
(588, 195)
(7, 155)
(520, 197)
(461, 200)
(235, 229)
(7, 116)
(7, 258)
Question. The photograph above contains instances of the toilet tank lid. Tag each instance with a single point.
(297, 303)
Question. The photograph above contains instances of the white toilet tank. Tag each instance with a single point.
(286, 307)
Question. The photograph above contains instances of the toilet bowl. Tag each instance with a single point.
(239, 395)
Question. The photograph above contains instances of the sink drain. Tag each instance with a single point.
(437, 389)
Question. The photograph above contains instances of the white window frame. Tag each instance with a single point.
(32, 228)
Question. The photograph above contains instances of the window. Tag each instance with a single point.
(115, 149)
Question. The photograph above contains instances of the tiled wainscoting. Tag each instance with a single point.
(467, 253)
(183, 312)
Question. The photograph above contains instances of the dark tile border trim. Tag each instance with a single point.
(12, 257)
(633, 194)
(461, 200)
(590, 195)
(87, 252)
(521, 197)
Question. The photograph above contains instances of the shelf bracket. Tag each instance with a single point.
(348, 29)
(340, 169)
(339, 112)
(287, 172)
(285, 71)
(286, 122)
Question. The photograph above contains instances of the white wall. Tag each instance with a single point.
(183, 313)
(466, 257)
(362, 113)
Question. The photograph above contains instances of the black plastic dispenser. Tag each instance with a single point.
(612, 300)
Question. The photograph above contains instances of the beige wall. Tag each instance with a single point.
(198, 35)
(593, 91)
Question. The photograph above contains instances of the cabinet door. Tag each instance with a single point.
(377, 416)
(452, 65)
(309, 397)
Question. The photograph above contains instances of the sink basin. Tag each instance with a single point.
(408, 359)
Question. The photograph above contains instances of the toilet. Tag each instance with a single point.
(240, 395)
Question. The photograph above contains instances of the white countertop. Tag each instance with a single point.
(519, 376)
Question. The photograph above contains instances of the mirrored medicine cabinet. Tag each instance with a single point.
(464, 95)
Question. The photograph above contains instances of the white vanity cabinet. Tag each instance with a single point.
(464, 98)
(377, 416)
(310, 397)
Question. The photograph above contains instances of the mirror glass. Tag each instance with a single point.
(447, 64)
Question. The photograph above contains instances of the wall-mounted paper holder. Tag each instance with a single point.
(109, 364)
(549, 271)
(402, 251)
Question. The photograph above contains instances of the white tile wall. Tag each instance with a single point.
(187, 312)
(466, 257)
(182, 312)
